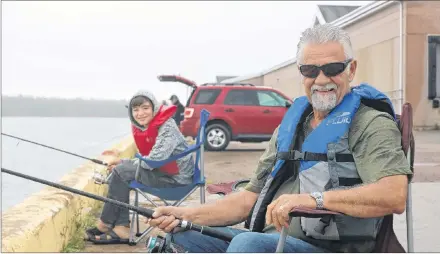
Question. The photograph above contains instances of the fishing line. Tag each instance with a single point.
(109, 140)
(56, 149)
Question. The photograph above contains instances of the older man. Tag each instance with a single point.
(337, 148)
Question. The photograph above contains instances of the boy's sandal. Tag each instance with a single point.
(109, 238)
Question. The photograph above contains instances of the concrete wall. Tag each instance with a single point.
(422, 18)
(287, 80)
(44, 222)
(257, 81)
(375, 41)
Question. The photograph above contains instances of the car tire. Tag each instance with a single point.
(217, 137)
(240, 184)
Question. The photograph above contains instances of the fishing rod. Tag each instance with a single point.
(97, 177)
(204, 230)
(56, 149)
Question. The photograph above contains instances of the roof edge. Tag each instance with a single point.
(362, 12)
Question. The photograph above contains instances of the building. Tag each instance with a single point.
(221, 78)
(397, 45)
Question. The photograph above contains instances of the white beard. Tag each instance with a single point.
(324, 102)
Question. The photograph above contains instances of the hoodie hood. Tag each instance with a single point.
(153, 100)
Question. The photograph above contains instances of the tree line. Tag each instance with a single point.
(26, 106)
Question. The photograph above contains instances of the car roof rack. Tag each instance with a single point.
(227, 84)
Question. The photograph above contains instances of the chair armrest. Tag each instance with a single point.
(158, 164)
(310, 213)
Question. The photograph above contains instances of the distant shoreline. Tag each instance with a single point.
(18, 116)
(27, 106)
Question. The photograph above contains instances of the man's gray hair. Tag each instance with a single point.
(321, 34)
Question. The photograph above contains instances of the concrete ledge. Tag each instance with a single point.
(44, 222)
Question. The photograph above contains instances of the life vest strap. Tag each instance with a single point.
(295, 155)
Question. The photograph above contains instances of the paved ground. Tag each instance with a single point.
(240, 160)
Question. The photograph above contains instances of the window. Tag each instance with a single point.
(241, 97)
(433, 66)
(207, 96)
(271, 99)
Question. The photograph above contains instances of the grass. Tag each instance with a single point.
(77, 243)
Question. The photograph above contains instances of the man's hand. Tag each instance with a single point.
(113, 163)
(278, 211)
(166, 217)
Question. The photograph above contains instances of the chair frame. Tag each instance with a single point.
(200, 139)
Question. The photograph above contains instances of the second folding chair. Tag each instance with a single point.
(176, 194)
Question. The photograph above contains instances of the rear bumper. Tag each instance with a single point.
(189, 127)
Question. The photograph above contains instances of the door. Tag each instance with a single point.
(272, 107)
(241, 106)
(189, 83)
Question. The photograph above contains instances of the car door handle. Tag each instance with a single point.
(266, 111)
(229, 110)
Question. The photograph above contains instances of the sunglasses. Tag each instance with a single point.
(329, 70)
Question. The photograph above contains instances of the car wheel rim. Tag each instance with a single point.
(240, 186)
(216, 137)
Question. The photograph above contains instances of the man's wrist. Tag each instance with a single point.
(309, 201)
(187, 213)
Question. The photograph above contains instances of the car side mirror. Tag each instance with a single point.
(288, 104)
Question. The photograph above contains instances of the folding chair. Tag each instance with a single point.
(176, 194)
(386, 239)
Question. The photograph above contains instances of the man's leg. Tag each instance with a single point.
(194, 242)
(260, 242)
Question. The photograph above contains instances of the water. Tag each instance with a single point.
(84, 136)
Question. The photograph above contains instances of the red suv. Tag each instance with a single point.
(239, 112)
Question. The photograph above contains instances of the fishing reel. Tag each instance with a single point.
(159, 244)
(100, 178)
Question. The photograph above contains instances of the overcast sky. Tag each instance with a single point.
(112, 49)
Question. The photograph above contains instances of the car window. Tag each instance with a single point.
(270, 99)
(241, 97)
(279, 96)
(207, 96)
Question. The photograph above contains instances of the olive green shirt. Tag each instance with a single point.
(375, 142)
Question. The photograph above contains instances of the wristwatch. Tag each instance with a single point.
(319, 198)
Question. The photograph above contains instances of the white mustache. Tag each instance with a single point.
(327, 87)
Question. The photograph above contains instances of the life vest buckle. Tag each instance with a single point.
(297, 155)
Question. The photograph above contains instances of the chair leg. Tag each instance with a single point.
(177, 203)
(148, 198)
(409, 217)
(202, 194)
(282, 241)
(409, 222)
(131, 237)
(143, 235)
(136, 200)
(165, 202)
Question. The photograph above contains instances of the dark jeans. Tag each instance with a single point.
(244, 241)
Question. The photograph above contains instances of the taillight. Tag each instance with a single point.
(188, 112)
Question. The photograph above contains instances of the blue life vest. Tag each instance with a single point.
(326, 163)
